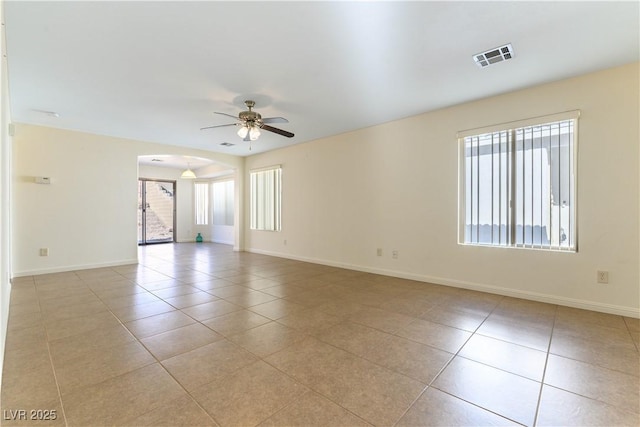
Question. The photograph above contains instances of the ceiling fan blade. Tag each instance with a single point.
(275, 120)
(225, 114)
(278, 131)
(217, 126)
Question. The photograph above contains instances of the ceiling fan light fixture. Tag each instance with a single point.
(254, 133)
(243, 131)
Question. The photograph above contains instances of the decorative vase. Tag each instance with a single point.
(199, 238)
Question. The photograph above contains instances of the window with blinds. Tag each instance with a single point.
(201, 197)
(223, 202)
(518, 185)
(265, 197)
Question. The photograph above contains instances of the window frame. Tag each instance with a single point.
(512, 128)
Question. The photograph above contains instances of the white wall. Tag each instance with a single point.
(87, 216)
(394, 186)
(5, 196)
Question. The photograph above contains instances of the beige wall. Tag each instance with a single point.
(394, 186)
(87, 216)
(5, 199)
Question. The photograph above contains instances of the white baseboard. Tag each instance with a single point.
(74, 267)
(223, 242)
(534, 296)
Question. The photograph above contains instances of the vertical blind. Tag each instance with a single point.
(223, 202)
(266, 199)
(201, 192)
(519, 187)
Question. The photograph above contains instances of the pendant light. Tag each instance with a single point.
(188, 174)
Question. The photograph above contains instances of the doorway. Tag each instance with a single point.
(156, 211)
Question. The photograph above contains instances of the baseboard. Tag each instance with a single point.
(37, 272)
(223, 242)
(534, 296)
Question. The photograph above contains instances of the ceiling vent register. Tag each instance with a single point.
(493, 56)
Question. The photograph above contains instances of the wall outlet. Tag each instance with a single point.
(394, 254)
(379, 252)
(44, 251)
(603, 276)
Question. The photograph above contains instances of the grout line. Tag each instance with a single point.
(544, 371)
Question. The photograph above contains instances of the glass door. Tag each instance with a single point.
(156, 211)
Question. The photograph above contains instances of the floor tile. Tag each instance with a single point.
(435, 335)
(182, 412)
(276, 309)
(130, 300)
(235, 322)
(384, 320)
(612, 387)
(65, 349)
(357, 339)
(267, 339)
(509, 395)
(373, 393)
(208, 363)
(251, 298)
(135, 312)
(310, 321)
(159, 323)
(410, 358)
(25, 320)
(78, 325)
(576, 315)
(435, 408)
(248, 396)
(180, 340)
(616, 354)
(559, 407)
(191, 299)
(211, 309)
(509, 357)
(311, 410)
(122, 399)
(93, 367)
(175, 291)
(69, 312)
(519, 332)
(457, 319)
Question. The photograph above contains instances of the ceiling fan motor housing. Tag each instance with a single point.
(249, 116)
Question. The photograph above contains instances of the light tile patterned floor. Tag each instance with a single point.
(199, 335)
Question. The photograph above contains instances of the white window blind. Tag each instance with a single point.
(265, 199)
(201, 197)
(223, 201)
(518, 185)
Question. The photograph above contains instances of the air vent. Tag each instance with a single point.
(493, 56)
(227, 144)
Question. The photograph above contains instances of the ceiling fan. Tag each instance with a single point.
(251, 123)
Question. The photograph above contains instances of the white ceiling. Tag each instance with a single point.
(157, 71)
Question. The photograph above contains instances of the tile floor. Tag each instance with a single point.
(199, 335)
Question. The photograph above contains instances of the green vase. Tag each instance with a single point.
(199, 238)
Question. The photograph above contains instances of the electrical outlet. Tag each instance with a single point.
(44, 251)
(603, 276)
(379, 252)
(394, 254)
